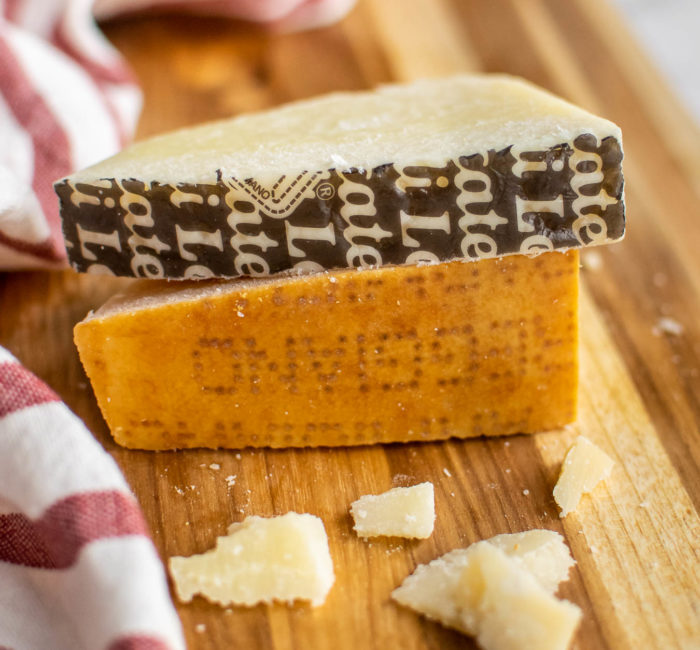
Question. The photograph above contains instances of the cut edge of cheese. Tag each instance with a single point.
(584, 466)
(261, 560)
(399, 512)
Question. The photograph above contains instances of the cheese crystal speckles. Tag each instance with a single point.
(508, 608)
(341, 358)
(282, 558)
(400, 512)
(466, 167)
(583, 468)
(431, 589)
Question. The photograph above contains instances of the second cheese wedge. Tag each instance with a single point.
(341, 358)
(466, 167)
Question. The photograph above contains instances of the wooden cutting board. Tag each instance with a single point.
(636, 539)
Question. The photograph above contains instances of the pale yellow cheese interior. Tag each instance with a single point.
(423, 123)
(431, 589)
(508, 608)
(584, 467)
(283, 558)
(400, 512)
(542, 553)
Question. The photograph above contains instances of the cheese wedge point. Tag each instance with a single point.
(347, 357)
(466, 167)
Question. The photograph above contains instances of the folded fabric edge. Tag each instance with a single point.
(73, 528)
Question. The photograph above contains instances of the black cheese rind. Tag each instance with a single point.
(478, 205)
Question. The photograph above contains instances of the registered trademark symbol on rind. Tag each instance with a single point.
(325, 191)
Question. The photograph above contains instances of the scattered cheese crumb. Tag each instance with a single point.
(231, 480)
(592, 260)
(238, 456)
(583, 468)
(659, 279)
(215, 466)
(400, 512)
(667, 326)
(200, 628)
(526, 492)
(446, 472)
(281, 558)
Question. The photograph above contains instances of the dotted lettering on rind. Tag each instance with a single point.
(483, 205)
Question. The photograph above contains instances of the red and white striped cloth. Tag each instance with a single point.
(78, 570)
(67, 100)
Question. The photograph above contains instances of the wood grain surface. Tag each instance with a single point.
(636, 539)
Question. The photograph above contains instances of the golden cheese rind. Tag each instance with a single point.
(342, 358)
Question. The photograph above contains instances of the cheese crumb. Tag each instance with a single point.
(400, 512)
(446, 472)
(215, 466)
(281, 558)
(584, 467)
(431, 589)
(200, 628)
(667, 325)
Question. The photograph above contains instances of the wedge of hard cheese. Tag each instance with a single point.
(465, 167)
(339, 358)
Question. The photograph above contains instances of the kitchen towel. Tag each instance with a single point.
(67, 100)
(78, 570)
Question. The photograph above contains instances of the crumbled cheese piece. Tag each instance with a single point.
(400, 512)
(281, 558)
(430, 590)
(592, 260)
(507, 608)
(667, 326)
(584, 467)
(215, 466)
